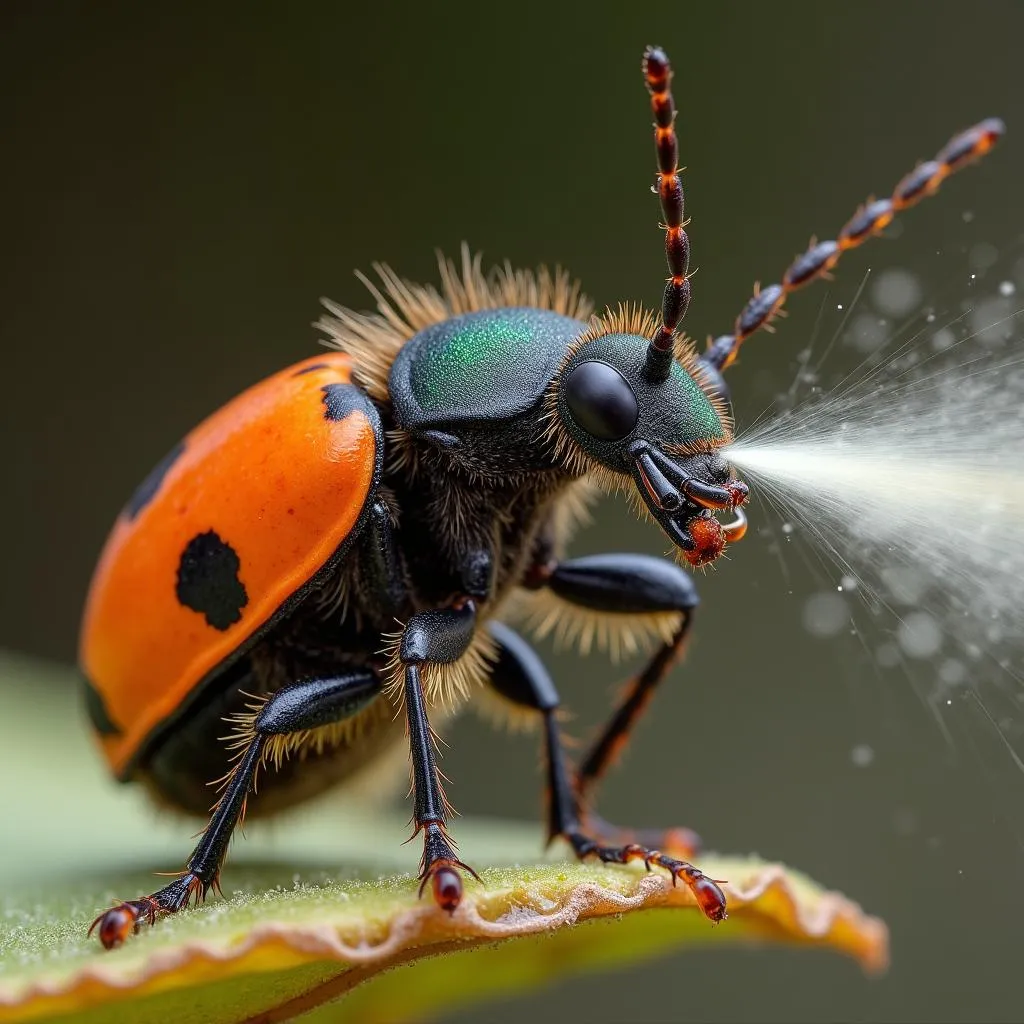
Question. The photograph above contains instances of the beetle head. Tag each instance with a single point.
(661, 425)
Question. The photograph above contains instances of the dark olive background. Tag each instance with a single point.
(178, 186)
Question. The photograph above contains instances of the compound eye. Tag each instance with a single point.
(601, 400)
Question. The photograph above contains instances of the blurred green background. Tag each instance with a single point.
(180, 184)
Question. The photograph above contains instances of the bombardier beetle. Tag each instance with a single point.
(325, 568)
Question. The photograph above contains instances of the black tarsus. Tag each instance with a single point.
(630, 584)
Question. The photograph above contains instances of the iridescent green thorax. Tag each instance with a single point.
(487, 365)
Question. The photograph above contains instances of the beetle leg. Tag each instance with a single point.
(438, 636)
(305, 705)
(625, 584)
(520, 676)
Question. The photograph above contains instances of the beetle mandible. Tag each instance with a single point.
(427, 472)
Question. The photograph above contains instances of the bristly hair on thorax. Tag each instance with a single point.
(373, 340)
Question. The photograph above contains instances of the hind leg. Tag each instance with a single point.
(305, 705)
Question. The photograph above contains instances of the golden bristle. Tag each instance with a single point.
(403, 309)
(543, 614)
(445, 686)
(632, 318)
(501, 713)
(277, 749)
(626, 318)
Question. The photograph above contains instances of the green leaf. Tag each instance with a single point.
(292, 938)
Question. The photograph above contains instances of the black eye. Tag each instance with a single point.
(601, 400)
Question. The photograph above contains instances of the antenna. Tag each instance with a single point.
(870, 219)
(658, 75)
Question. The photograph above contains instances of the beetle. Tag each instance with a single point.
(427, 471)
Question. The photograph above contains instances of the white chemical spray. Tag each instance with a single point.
(909, 474)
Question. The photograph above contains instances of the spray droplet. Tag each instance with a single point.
(919, 635)
(866, 334)
(982, 256)
(952, 672)
(848, 583)
(991, 320)
(825, 614)
(896, 292)
(862, 755)
(911, 477)
(1007, 288)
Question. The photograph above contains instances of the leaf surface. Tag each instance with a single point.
(294, 939)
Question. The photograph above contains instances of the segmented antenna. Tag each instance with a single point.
(870, 219)
(658, 75)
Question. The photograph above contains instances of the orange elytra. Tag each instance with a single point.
(225, 534)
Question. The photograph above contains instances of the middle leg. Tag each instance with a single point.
(435, 637)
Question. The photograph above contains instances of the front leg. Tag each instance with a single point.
(635, 586)
(520, 677)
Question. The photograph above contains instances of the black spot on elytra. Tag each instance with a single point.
(340, 400)
(146, 491)
(310, 369)
(208, 580)
(97, 710)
